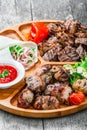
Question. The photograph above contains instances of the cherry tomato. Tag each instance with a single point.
(76, 98)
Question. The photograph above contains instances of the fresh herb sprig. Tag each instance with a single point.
(5, 73)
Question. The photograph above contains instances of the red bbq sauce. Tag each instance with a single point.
(7, 73)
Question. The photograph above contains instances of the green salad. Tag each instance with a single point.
(78, 70)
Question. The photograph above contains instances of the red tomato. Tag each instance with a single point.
(76, 98)
(38, 32)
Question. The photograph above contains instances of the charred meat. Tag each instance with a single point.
(35, 84)
(63, 40)
(68, 54)
(46, 103)
(40, 71)
(61, 75)
(25, 98)
(81, 85)
(64, 93)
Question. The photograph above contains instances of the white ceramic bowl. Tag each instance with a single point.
(20, 70)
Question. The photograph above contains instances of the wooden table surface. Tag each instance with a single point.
(17, 11)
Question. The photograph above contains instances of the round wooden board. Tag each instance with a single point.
(8, 97)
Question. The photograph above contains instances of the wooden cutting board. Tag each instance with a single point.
(8, 97)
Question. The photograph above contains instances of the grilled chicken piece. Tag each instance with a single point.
(47, 78)
(64, 93)
(68, 54)
(55, 68)
(61, 75)
(52, 89)
(25, 98)
(80, 85)
(46, 103)
(35, 84)
(60, 91)
(81, 51)
(42, 70)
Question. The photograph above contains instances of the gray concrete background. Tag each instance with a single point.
(17, 11)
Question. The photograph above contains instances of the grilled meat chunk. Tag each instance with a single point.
(61, 75)
(65, 39)
(64, 93)
(51, 55)
(53, 89)
(60, 91)
(46, 103)
(43, 69)
(72, 26)
(47, 78)
(81, 51)
(48, 44)
(80, 85)
(54, 68)
(68, 54)
(35, 84)
(25, 98)
(81, 41)
(53, 28)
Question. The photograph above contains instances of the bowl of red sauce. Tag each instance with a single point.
(11, 72)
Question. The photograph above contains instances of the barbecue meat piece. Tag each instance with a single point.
(62, 75)
(46, 103)
(60, 91)
(68, 54)
(64, 93)
(47, 78)
(52, 28)
(81, 51)
(55, 68)
(81, 41)
(81, 34)
(65, 39)
(43, 69)
(48, 44)
(52, 89)
(51, 55)
(80, 85)
(56, 27)
(25, 98)
(72, 26)
(35, 84)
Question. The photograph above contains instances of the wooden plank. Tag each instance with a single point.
(79, 10)
(14, 12)
(60, 9)
(51, 9)
(76, 121)
(12, 122)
